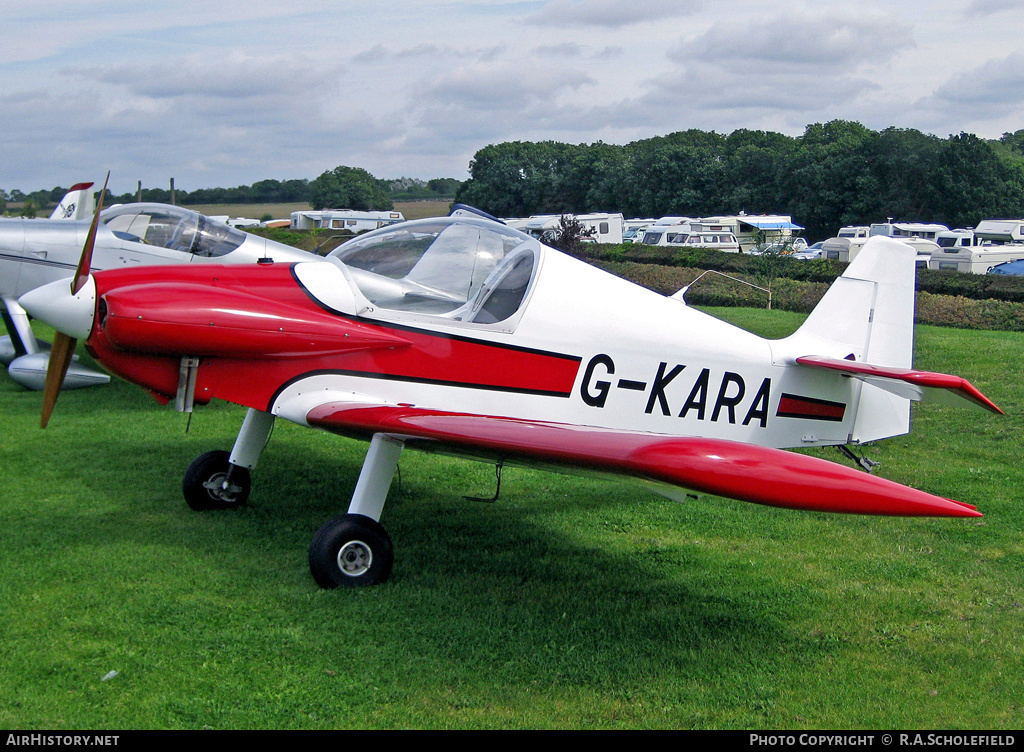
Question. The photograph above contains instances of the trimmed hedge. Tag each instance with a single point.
(956, 311)
(936, 282)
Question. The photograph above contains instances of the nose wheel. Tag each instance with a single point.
(211, 482)
(349, 551)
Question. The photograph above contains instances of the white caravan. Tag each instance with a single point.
(344, 219)
(1001, 230)
(850, 240)
(908, 230)
(604, 228)
(977, 259)
(752, 229)
(992, 242)
(839, 247)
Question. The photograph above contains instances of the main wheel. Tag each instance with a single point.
(349, 551)
(206, 484)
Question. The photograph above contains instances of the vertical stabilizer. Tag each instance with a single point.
(867, 316)
(78, 203)
(871, 307)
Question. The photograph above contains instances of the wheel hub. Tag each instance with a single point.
(220, 489)
(355, 558)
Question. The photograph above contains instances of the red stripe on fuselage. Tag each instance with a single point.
(793, 406)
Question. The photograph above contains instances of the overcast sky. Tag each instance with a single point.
(218, 94)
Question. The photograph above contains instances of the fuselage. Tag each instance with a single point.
(579, 346)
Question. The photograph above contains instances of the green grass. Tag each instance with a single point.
(570, 603)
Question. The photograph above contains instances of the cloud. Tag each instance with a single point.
(796, 44)
(993, 89)
(237, 91)
(762, 73)
(194, 118)
(227, 77)
(511, 86)
(563, 49)
(611, 14)
(431, 54)
(461, 110)
(988, 7)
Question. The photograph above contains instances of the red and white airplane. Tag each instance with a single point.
(461, 335)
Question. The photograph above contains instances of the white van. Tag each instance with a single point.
(683, 235)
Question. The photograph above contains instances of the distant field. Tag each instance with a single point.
(423, 209)
(409, 209)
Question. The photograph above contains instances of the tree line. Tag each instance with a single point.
(837, 173)
(341, 188)
(834, 174)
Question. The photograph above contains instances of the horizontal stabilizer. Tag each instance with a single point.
(732, 469)
(30, 372)
(907, 383)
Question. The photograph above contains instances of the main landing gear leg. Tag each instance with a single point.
(354, 549)
(221, 480)
(20, 339)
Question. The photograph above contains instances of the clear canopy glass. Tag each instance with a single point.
(173, 228)
(462, 268)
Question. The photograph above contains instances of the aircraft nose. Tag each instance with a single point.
(54, 304)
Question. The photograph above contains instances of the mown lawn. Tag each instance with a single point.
(570, 603)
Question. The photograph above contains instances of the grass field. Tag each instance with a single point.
(570, 603)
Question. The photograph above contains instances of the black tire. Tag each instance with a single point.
(203, 483)
(350, 551)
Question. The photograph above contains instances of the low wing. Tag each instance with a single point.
(908, 383)
(725, 468)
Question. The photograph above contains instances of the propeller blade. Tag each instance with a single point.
(82, 272)
(63, 348)
(60, 358)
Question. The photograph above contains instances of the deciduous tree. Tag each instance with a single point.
(348, 188)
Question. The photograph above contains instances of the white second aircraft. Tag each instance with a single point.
(34, 252)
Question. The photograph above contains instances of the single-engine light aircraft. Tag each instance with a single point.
(34, 252)
(461, 335)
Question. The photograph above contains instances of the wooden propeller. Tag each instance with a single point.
(63, 348)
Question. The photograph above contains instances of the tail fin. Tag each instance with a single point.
(78, 203)
(863, 328)
(869, 311)
(867, 316)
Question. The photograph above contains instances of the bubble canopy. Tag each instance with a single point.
(461, 268)
(173, 228)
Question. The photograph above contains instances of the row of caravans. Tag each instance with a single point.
(974, 251)
(734, 233)
(739, 233)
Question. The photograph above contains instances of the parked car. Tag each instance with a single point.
(1015, 268)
